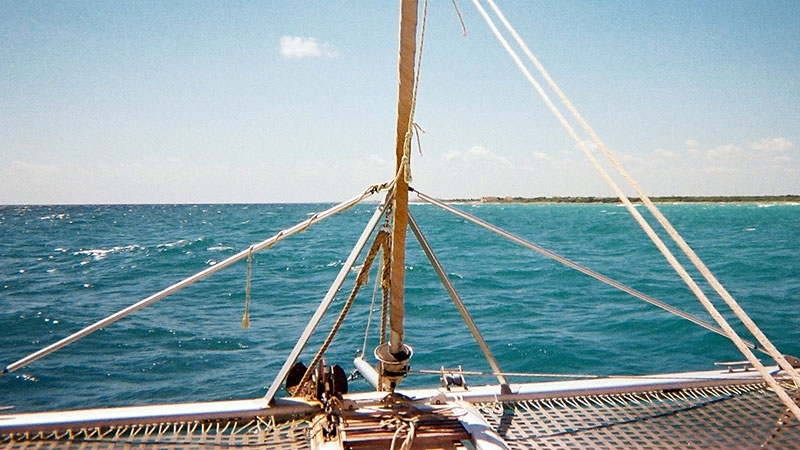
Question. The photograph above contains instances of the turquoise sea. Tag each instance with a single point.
(64, 267)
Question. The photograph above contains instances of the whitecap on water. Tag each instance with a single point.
(100, 253)
(53, 217)
(171, 244)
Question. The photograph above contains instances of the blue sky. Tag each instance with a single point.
(140, 102)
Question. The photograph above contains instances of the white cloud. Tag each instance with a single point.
(724, 151)
(629, 158)
(296, 47)
(481, 154)
(540, 156)
(27, 169)
(451, 155)
(476, 154)
(145, 180)
(664, 153)
(588, 144)
(377, 161)
(782, 160)
(771, 145)
(692, 144)
(374, 162)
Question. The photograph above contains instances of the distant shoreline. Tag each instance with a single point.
(661, 199)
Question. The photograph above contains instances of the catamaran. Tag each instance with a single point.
(741, 404)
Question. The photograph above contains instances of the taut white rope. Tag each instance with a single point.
(649, 230)
(666, 224)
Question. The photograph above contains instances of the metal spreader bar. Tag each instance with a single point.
(191, 280)
(459, 304)
(326, 302)
(584, 270)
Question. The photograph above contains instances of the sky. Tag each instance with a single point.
(295, 101)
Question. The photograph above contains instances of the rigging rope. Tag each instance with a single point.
(371, 309)
(246, 317)
(402, 424)
(418, 130)
(662, 220)
(386, 283)
(659, 243)
(386, 273)
(361, 279)
(341, 276)
(460, 19)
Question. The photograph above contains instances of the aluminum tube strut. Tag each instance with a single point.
(326, 302)
(367, 371)
(584, 270)
(186, 282)
(459, 304)
(484, 436)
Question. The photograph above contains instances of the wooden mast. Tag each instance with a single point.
(408, 37)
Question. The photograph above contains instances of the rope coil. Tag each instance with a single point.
(400, 425)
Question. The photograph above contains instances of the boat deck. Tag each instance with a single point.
(697, 411)
(721, 417)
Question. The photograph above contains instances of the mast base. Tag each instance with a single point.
(392, 367)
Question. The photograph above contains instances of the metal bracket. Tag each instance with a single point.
(736, 366)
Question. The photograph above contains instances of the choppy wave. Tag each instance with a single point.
(100, 253)
(537, 315)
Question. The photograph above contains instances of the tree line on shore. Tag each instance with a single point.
(659, 199)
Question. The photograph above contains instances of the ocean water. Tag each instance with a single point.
(64, 267)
